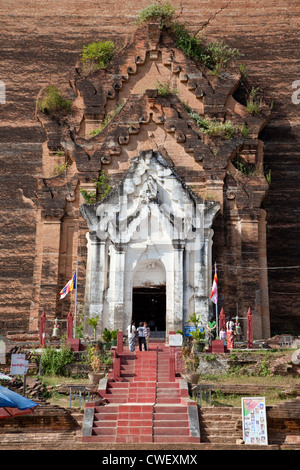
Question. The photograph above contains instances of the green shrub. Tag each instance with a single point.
(54, 102)
(97, 55)
(162, 12)
(53, 361)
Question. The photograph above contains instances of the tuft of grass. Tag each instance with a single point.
(254, 103)
(164, 89)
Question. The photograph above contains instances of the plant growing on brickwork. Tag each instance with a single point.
(254, 103)
(246, 169)
(108, 119)
(102, 189)
(216, 55)
(58, 169)
(245, 131)
(165, 89)
(53, 102)
(268, 177)
(97, 55)
(214, 127)
(243, 71)
(161, 11)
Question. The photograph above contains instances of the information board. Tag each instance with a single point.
(19, 365)
(254, 421)
(175, 340)
(189, 329)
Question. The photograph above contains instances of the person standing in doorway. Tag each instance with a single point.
(131, 336)
(142, 336)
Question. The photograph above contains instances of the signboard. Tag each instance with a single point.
(254, 421)
(19, 365)
(2, 351)
(188, 329)
(175, 340)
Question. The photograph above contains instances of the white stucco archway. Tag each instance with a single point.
(150, 229)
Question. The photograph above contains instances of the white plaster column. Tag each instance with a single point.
(177, 320)
(117, 285)
(95, 277)
(203, 274)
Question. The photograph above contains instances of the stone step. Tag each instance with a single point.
(104, 431)
(168, 385)
(166, 423)
(105, 423)
(170, 417)
(98, 438)
(117, 385)
(134, 439)
(160, 439)
(116, 391)
(171, 431)
(168, 400)
(164, 408)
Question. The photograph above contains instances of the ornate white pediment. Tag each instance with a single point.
(150, 203)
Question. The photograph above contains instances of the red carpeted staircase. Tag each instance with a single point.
(145, 401)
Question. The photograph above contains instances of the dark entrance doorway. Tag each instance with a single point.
(149, 304)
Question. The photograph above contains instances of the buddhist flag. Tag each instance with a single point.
(69, 286)
(214, 290)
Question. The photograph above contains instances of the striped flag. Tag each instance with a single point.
(214, 290)
(68, 287)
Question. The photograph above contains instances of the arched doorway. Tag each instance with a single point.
(149, 295)
(149, 304)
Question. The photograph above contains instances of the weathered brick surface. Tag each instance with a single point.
(41, 46)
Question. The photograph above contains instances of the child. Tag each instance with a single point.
(223, 335)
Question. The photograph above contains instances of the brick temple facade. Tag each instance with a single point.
(48, 234)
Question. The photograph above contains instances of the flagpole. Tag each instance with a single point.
(217, 315)
(75, 316)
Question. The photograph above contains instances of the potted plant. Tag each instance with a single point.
(106, 336)
(95, 363)
(107, 360)
(198, 340)
(191, 361)
(93, 322)
(114, 335)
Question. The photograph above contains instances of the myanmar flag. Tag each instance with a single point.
(214, 290)
(68, 287)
